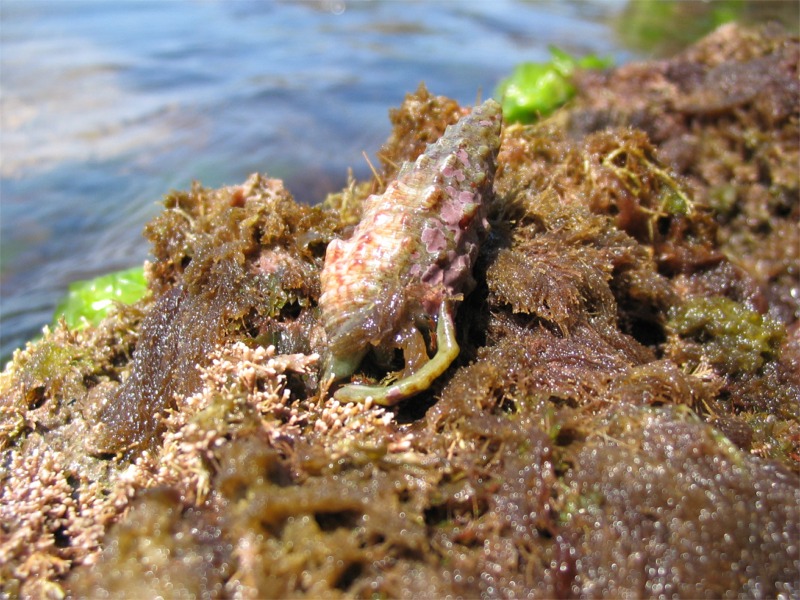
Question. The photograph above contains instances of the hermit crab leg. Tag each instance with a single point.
(446, 352)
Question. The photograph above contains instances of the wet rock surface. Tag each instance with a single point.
(622, 418)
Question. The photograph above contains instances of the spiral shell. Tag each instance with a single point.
(413, 251)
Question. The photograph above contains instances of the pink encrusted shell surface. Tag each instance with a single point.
(415, 246)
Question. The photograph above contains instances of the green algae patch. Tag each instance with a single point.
(733, 337)
(661, 27)
(90, 300)
(535, 90)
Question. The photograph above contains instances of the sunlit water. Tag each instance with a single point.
(106, 106)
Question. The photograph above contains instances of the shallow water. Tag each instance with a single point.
(106, 106)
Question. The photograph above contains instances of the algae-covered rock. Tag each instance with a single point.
(172, 550)
(227, 263)
(622, 418)
(678, 512)
(723, 117)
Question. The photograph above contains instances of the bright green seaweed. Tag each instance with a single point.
(536, 89)
(88, 301)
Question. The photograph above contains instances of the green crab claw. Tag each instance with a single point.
(446, 352)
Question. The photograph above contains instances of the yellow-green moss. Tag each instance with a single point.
(733, 337)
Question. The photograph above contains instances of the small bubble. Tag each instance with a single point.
(335, 7)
